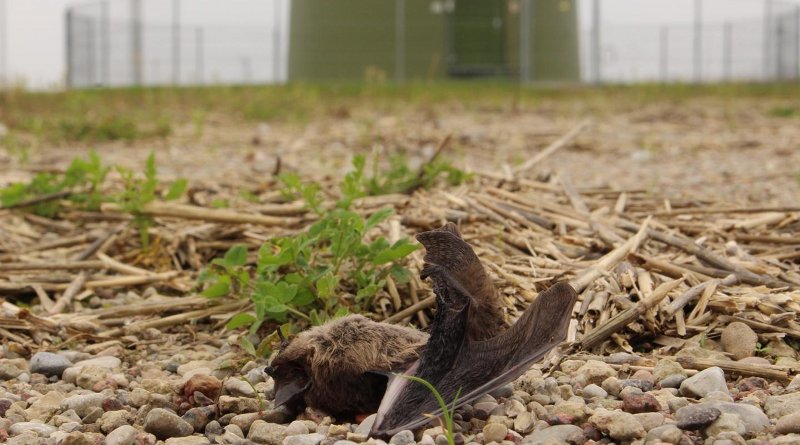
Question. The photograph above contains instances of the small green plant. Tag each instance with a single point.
(447, 412)
(784, 112)
(761, 349)
(139, 191)
(401, 178)
(81, 183)
(323, 272)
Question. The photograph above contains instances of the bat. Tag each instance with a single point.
(458, 358)
(341, 367)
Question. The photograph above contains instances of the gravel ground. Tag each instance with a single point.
(190, 386)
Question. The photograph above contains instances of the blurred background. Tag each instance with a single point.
(51, 44)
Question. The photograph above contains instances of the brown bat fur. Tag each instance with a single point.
(336, 358)
(339, 356)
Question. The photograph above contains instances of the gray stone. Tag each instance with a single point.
(593, 391)
(106, 361)
(789, 423)
(696, 417)
(365, 426)
(238, 387)
(83, 403)
(739, 340)
(503, 392)
(49, 364)
(524, 423)
(779, 406)
(619, 424)
(594, 371)
(28, 438)
(753, 418)
(665, 433)
(304, 439)
(672, 381)
(124, 435)
(555, 435)
(789, 439)
(199, 417)
(513, 408)
(45, 406)
(727, 422)
(666, 367)
(297, 427)
(266, 433)
(405, 437)
(495, 432)
(42, 429)
(165, 424)
(648, 421)
(189, 440)
(112, 420)
(704, 382)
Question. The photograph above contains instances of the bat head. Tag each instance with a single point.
(290, 369)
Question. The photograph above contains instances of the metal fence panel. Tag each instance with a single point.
(156, 42)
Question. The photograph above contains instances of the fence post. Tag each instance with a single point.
(664, 51)
(91, 52)
(400, 41)
(4, 45)
(727, 51)
(525, 41)
(276, 42)
(176, 42)
(136, 41)
(797, 42)
(597, 48)
(198, 56)
(698, 40)
(69, 49)
(105, 43)
(767, 50)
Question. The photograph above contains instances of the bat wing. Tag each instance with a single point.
(453, 363)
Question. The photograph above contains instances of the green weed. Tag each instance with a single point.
(447, 412)
(326, 271)
(82, 184)
(81, 181)
(139, 190)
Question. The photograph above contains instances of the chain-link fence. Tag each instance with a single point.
(155, 42)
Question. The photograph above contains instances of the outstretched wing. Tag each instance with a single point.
(452, 362)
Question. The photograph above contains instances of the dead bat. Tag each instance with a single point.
(340, 367)
(455, 362)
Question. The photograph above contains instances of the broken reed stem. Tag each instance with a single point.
(704, 255)
(743, 369)
(607, 262)
(65, 298)
(113, 264)
(411, 310)
(183, 211)
(552, 148)
(175, 319)
(695, 291)
(70, 265)
(616, 323)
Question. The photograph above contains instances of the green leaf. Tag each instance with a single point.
(176, 189)
(239, 320)
(326, 285)
(377, 217)
(221, 288)
(398, 250)
(247, 345)
(235, 256)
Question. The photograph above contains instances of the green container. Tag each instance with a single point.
(357, 40)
